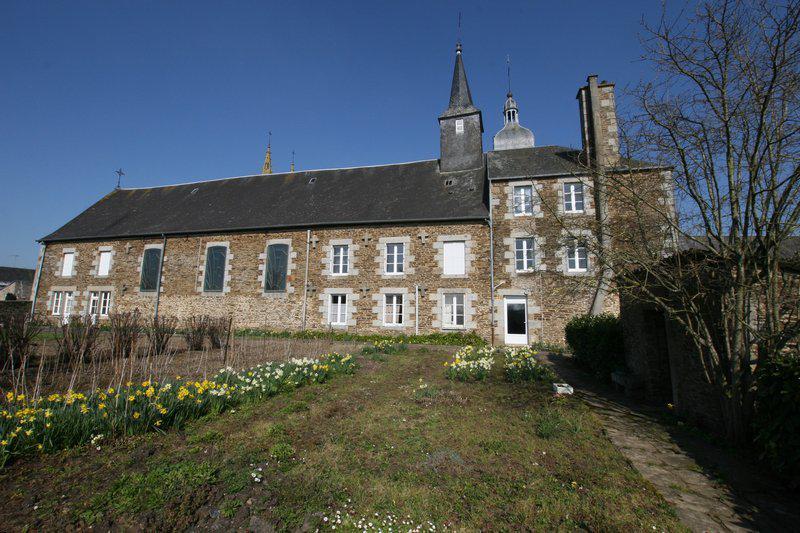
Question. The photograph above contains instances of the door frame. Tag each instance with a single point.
(515, 338)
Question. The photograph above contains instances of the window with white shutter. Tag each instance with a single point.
(454, 258)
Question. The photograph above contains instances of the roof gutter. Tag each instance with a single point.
(481, 217)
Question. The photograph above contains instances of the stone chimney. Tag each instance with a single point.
(599, 133)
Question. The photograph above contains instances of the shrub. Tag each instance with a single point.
(596, 341)
(470, 364)
(17, 334)
(195, 331)
(777, 418)
(77, 339)
(521, 365)
(217, 331)
(161, 330)
(125, 329)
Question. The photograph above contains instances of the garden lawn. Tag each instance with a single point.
(394, 444)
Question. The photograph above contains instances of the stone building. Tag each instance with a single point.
(459, 243)
(15, 283)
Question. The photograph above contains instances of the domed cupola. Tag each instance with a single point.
(512, 135)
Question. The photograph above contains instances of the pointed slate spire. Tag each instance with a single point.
(460, 97)
(460, 126)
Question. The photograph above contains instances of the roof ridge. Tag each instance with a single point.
(274, 175)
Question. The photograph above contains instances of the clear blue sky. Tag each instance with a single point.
(182, 91)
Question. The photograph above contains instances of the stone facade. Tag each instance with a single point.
(243, 296)
(553, 294)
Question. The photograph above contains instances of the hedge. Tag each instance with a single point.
(596, 342)
(444, 339)
(777, 418)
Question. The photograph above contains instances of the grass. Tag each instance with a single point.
(394, 442)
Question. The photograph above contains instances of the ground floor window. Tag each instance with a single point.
(56, 304)
(453, 310)
(393, 310)
(99, 303)
(337, 309)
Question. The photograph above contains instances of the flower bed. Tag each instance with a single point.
(386, 346)
(521, 365)
(470, 363)
(60, 421)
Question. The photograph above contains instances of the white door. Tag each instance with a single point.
(516, 315)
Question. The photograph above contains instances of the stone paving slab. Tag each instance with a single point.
(683, 467)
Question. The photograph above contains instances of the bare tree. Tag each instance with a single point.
(722, 112)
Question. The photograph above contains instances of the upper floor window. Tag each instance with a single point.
(523, 254)
(460, 125)
(277, 261)
(104, 263)
(151, 264)
(337, 309)
(395, 257)
(214, 279)
(573, 197)
(523, 200)
(454, 258)
(577, 257)
(68, 261)
(341, 259)
(453, 310)
(393, 310)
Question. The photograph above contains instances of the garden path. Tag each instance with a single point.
(710, 487)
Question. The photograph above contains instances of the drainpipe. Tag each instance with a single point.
(491, 256)
(416, 309)
(160, 273)
(305, 279)
(38, 277)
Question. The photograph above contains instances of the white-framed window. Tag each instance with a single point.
(453, 310)
(99, 303)
(454, 258)
(69, 303)
(577, 257)
(460, 125)
(573, 197)
(340, 262)
(337, 309)
(105, 303)
(523, 200)
(68, 261)
(393, 310)
(524, 254)
(395, 258)
(56, 304)
(104, 263)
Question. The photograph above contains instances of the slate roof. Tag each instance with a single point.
(9, 275)
(460, 96)
(543, 161)
(407, 192)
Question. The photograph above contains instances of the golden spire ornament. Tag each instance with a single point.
(267, 168)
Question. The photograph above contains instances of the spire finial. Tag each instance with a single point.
(267, 168)
(508, 72)
(458, 34)
(291, 169)
(119, 174)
